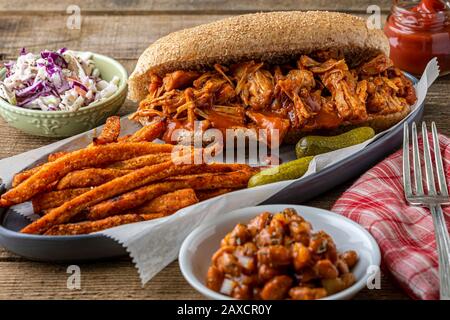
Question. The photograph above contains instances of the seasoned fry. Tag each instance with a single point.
(56, 155)
(96, 176)
(139, 162)
(229, 167)
(123, 138)
(139, 196)
(219, 168)
(130, 181)
(208, 194)
(89, 178)
(149, 132)
(152, 216)
(133, 163)
(93, 226)
(5, 203)
(24, 175)
(88, 157)
(170, 202)
(86, 227)
(54, 199)
(129, 164)
(110, 132)
(208, 181)
(185, 197)
(131, 200)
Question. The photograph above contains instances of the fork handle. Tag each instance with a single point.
(443, 249)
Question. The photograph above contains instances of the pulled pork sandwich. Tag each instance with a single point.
(297, 72)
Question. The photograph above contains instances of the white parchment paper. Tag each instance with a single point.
(154, 244)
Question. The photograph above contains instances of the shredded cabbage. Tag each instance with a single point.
(55, 80)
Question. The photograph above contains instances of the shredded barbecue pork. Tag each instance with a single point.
(309, 95)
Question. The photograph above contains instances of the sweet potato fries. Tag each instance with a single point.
(118, 180)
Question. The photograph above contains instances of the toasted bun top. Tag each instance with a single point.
(272, 37)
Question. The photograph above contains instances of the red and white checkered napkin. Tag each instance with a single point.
(404, 233)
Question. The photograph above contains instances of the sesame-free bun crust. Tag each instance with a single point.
(271, 37)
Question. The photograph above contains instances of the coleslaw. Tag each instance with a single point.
(61, 80)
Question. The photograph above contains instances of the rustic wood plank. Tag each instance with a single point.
(437, 105)
(6, 256)
(109, 35)
(115, 280)
(152, 7)
(102, 280)
(102, 34)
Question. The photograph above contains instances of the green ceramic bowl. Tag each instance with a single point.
(69, 123)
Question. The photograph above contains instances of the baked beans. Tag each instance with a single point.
(278, 256)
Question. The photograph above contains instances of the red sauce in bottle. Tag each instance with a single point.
(417, 32)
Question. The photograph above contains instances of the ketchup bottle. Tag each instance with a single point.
(419, 31)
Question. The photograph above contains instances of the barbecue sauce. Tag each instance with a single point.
(417, 33)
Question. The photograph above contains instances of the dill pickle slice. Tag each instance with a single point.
(286, 171)
(314, 145)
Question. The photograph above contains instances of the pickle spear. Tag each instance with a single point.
(314, 145)
(286, 171)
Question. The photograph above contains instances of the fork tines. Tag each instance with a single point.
(432, 195)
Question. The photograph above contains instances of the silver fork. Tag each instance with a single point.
(432, 198)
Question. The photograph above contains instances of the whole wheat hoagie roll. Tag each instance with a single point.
(273, 37)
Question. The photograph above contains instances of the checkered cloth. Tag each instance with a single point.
(404, 233)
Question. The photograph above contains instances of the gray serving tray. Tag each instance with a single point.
(97, 246)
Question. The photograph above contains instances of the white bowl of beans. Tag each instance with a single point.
(276, 252)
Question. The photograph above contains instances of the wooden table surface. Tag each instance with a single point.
(122, 30)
